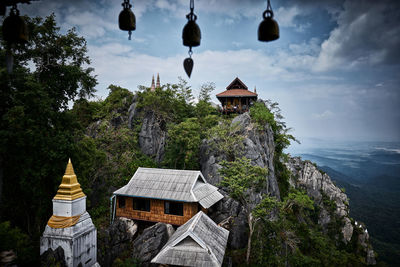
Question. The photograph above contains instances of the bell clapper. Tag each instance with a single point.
(188, 63)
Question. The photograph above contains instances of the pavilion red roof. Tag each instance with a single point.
(236, 92)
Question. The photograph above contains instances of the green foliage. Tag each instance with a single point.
(266, 207)
(117, 101)
(262, 115)
(172, 103)
(242, 179)
(85, 111)
(204, 107)
(226, 139)
(283, 175)
(36, 131)
(297, 203)
(182, 150)
(14, 239)
(288, 236)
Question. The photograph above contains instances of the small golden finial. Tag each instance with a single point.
(69, 188)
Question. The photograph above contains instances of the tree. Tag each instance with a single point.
(226, 139)
(204, 107)
(183, 145)
(242, 181)
(36, 131)
(184, 91)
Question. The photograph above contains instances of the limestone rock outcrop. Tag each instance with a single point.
(153, 132)
(258, 145)
(328, 196)
(116, 239)
(152, 136)
(318, 186)
(147, 245)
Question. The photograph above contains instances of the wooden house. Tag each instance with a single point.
(164, 195)
(236, 98)
(199, 242)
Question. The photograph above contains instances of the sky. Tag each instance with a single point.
(335, 70)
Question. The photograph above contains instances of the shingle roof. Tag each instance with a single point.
(177, 185)
(236, 84)
(199, 242)
(236, 92)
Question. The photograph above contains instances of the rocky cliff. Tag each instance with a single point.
(255, 142)
(152, 133)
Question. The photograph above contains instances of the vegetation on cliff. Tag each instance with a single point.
(39, 133)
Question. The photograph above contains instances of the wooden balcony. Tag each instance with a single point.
(234, 109)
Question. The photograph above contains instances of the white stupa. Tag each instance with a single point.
(71, 226)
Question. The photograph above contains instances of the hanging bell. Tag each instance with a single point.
(127, 20)
(191, 34)
(15, 29)
(268, 29)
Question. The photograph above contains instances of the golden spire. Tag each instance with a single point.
(69, 188)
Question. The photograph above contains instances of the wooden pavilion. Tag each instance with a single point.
(164, 195)
(236, 98)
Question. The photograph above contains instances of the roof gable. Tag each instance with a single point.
(199, 242)
(168, 184)
(236, 84)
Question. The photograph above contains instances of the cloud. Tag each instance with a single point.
(368, 33)
(324, 115)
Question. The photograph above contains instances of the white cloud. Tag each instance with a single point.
(324, 115)
(287, 16)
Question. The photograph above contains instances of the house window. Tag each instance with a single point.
(142, 204)
(121, 202)
(173, 208)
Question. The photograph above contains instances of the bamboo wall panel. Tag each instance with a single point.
(156, 213)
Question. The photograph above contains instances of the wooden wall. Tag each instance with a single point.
(156, 213)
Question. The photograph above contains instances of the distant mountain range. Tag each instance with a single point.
(370, 174)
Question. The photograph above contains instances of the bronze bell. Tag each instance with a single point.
(268, 29)
(127, 20)
(15, 29)
(191, 34)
